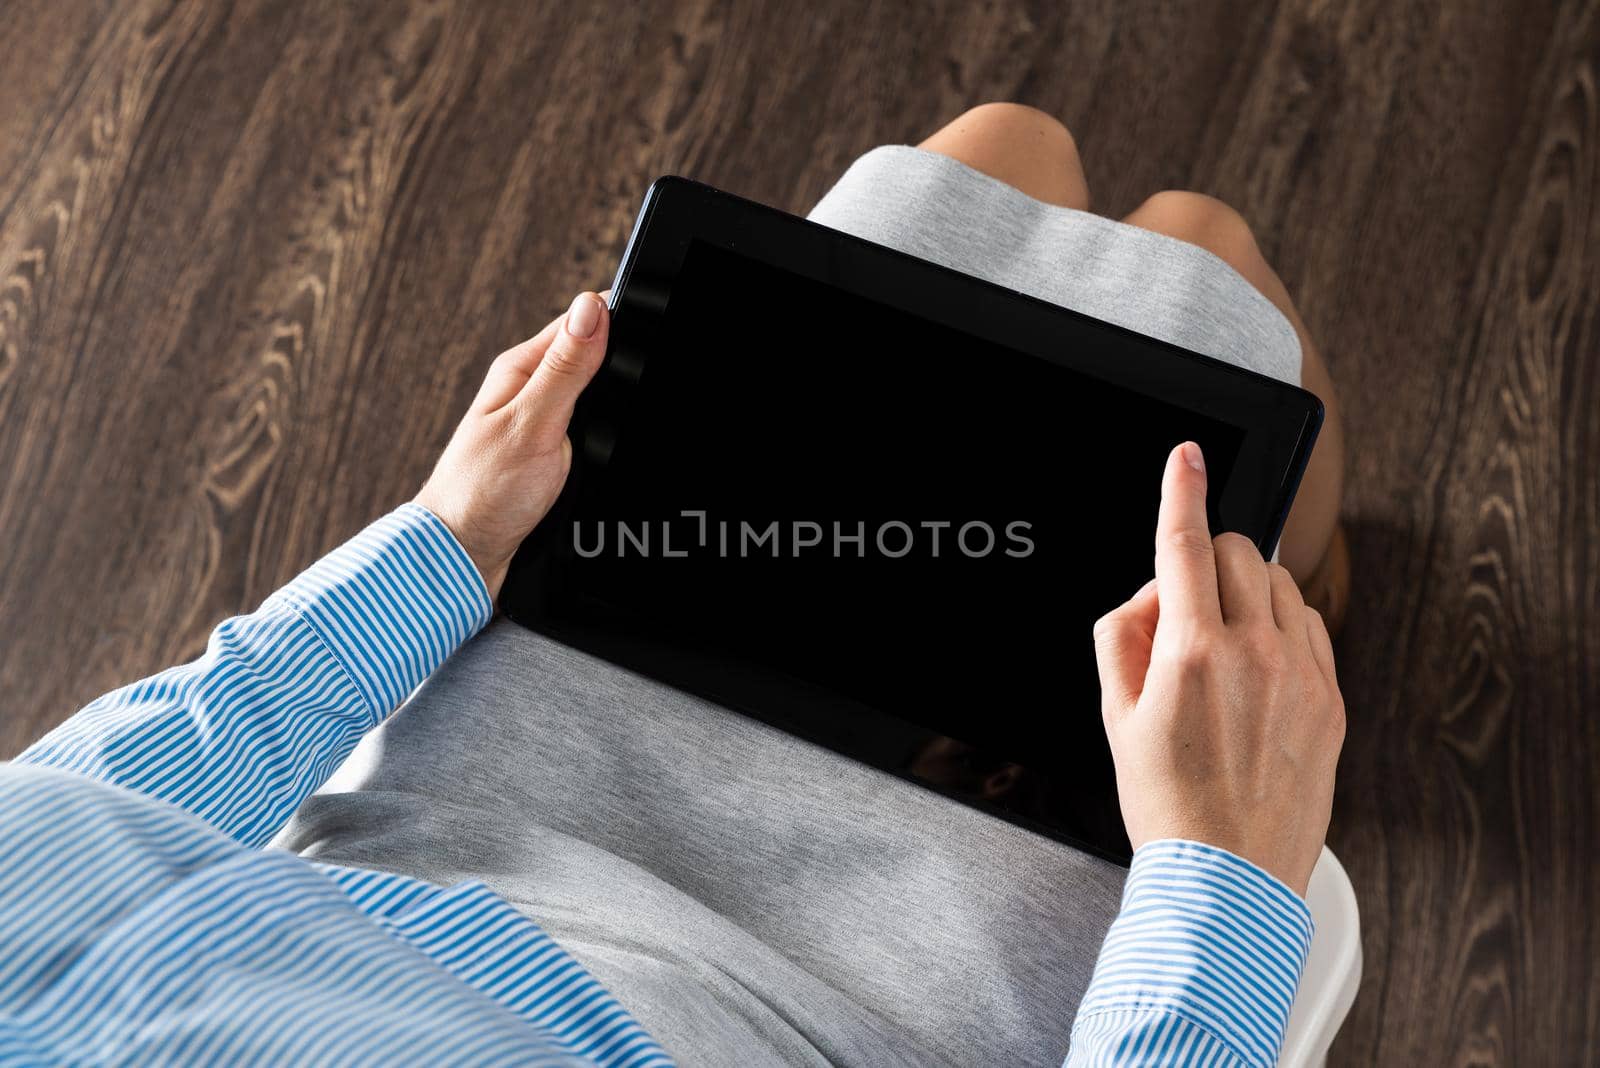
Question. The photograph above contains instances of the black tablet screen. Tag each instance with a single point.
(890, 535)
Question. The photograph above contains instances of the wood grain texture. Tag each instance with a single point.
(255, 256)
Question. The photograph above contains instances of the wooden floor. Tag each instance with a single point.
(254, 258)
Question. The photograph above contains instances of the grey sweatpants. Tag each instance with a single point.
(752, 898)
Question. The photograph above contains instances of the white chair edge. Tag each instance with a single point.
(1333, 968)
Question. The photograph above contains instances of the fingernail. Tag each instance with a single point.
(1191, 454)
(583, 316)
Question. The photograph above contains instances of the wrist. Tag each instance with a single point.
(493, 574)
(491, 566)
(1277, 839)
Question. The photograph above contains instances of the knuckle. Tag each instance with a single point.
(1264, 652)
(1336, 713)
(1197, 652)
(1234, 542)
(1284, 587)
(1315, 621)
(1105, 628)
(524, 419)
(1187, 541)
(1261, 642)
(1332, 732)
(562, 360)
(1238, 552)
(509, 359)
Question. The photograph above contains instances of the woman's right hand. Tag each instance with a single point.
(1219, 695)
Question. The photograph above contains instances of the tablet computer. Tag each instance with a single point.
(880, 503)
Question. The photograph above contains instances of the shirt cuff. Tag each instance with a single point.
(392, 603)
(1207, 936)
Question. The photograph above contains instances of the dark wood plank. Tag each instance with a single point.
(254, 257)
(1375, 176)
(1480, 779)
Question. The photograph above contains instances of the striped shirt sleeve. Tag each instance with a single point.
(246, 732)
(1200, 966)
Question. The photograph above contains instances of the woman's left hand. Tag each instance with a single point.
(507, 461)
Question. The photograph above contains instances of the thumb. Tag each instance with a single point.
(1122, 643)
(567, 366)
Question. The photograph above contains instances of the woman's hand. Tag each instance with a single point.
(1219, 696)
(509, 458)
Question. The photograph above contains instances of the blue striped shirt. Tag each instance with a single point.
(1200, 966)
(142, 922)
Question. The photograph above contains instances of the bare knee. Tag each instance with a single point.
(1200, 220)
(1021, 123)
(1020, 145)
